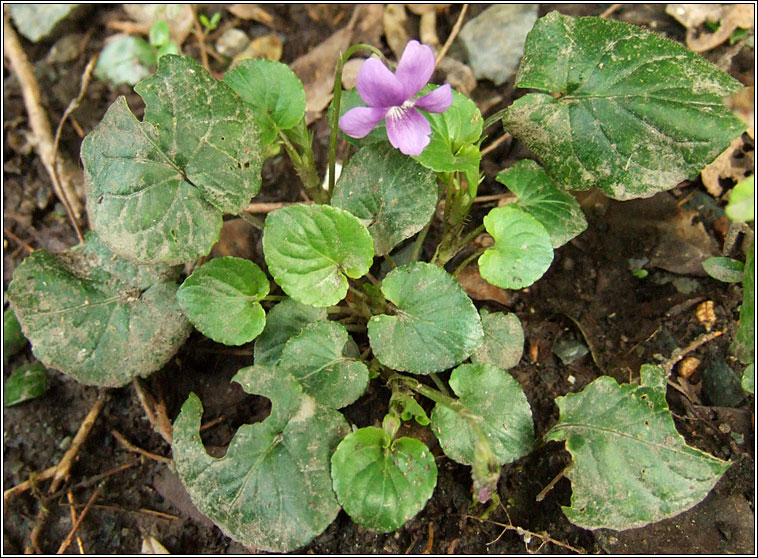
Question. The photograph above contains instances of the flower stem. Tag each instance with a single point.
(334, 119)
(304, 163)
(467, 261)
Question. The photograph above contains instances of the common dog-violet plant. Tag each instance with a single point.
(615, 107)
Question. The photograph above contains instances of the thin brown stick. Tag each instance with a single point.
(22, 487)
(545, 538)
(265, 207)
(160, 425)
(145, 511)
(72, 509)
(38, 121)
(131, 447)
(494, 197)
(493, 145)
(612, 9)
(453, 34)
(211, 423)
(18, 241)
(97, 478)
(678, 354)
(550, 485)
(197, 31)
(67, 541)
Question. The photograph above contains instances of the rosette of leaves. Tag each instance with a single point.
(619, 108)
(158, 188)
(96, 317)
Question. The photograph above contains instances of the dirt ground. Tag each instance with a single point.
(588, 297)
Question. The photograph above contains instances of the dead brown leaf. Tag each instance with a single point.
(731, 18)
(458, 75)
(369, 29)
(733, 164)
(479, 289)
(251, 12)
(395, 21)
(178, 16)
(268, 47)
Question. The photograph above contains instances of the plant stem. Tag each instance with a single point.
(419, 243)
(254, 221)
(304, 163)
(467, 261)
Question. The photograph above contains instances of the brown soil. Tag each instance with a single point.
(589, 295)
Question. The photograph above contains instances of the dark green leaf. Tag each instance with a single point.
(390, 193)
(557, 210)
(318, 359)
(221, 299)
(157, 188)
(272, 91)
(380, 483)
(13, 337)
(272, 490)
(312, 249)
(522, 252)
(434, 327)
(744, 341)
(631, 467)
(284, 321)
(97, 318)
(637, 113)
(27, 382)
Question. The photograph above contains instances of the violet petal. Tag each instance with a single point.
(408, 131)
(359, 121)
(438, 100)
(415, 68)
(378, 86)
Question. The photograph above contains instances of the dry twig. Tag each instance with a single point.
(453, 34)
(131, 447)
(155, 414)
(72, 509)
(67, 541)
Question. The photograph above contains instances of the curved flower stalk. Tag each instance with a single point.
(391, 95)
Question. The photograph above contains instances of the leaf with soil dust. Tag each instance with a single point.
(158, 188)
(97, 318)
(392, 193)
(272, 490)
(503, 340)
(637, 113)
(630, 465)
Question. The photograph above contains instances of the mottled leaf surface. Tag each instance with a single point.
(98, 318)
(523, 250)
(496, 403)
(221, 299)
(318, 357)
(434, 327)
(630, 465)
(724, 269)
(284, 321)
(538, 195)
(382, 483)
(272, 490)
(312, 249)
(158, 188)
(636, 115)
(390, 193)
(272, 91)
(503, 340)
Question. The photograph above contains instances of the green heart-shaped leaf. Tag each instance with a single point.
(284, 321)
(272, 91)
(158, 188)
(317, 358)
(557, 210)
(97, 318)
(221, 299)
(637, 113)
(13, 337)
(390, 193)
(454, 132)
(503, 340)
(312, 249)
(631, 467)
(499, 407)
(272, 490)
(380, 483)
(522, 252)
(27, 382)
(435, 325)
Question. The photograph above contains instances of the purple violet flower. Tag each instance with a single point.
(391, 95)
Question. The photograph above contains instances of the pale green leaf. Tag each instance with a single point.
(283, 321)
(496, 404)
(523, 250)
(312, 249)
(380, 483)
(125, 59)
(222, 300)
(727, 270)
(557, 210)
(741, 206)
(434, 325)
(503, 340)
(390, 193)
(636, 113)
(272, 490)
(318, 357)
(630, 465)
